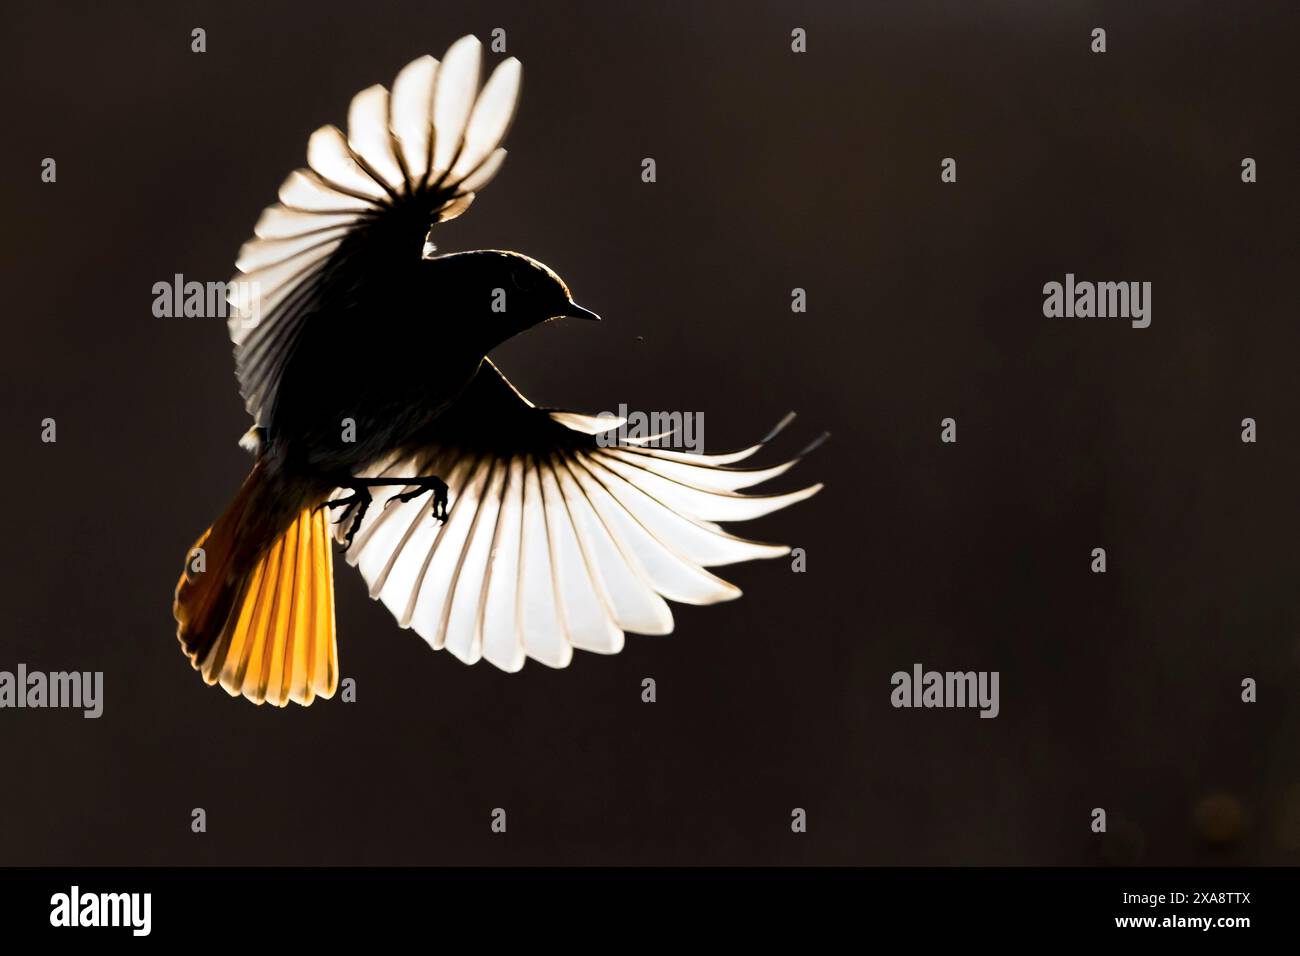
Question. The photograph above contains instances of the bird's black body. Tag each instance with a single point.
(381, 359)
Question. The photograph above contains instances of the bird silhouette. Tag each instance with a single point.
(511, 531)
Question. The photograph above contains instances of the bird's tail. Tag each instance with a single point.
(255, 606)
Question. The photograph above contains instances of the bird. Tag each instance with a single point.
(509, 531)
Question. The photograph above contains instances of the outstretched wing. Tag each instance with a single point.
(553, 542)
(411, 158)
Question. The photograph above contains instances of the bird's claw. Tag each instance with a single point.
(424, 486)
(354, 508)
(440, 500)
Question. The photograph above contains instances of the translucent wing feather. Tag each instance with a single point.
(409, 158)
(553, 542)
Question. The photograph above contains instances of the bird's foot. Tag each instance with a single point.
(359, 500)
(421, 486)
(354, 509)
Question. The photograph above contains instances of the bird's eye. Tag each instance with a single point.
(524, 280)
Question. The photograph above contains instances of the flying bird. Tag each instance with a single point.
(506, 531)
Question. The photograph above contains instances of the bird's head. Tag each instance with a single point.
(507, 291)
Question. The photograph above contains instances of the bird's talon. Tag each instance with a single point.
(423, 486)
(354, 510)
(440, 502)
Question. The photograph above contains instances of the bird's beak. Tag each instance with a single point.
(575, 311)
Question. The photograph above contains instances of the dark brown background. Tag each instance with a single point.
(775, 171)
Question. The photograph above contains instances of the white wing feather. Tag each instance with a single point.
(437, 133)
(547, 552)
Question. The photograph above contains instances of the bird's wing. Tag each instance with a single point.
(553, 542)
(411, 158)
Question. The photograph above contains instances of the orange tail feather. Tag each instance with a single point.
(258, 617)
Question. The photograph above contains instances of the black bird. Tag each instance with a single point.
(508, 531)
